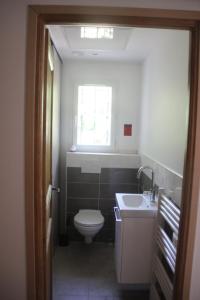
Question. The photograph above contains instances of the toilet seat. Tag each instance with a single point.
(89, 217)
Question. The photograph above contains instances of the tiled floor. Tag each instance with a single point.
(86, 272)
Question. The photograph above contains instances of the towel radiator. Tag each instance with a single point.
(164, 261)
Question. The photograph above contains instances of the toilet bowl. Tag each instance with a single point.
(88, 222)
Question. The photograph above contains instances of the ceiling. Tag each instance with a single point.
(128, 44)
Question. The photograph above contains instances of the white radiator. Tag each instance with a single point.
(164, 262)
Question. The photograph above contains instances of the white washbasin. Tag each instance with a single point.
(137, 205)
(132, 200)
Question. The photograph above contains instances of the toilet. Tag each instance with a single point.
(88, 222)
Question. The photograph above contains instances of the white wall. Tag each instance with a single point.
(166, 99)
(13, 16)
(126, 81)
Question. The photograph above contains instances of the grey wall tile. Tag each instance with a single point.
(105, 235)
(109, 220)
(73, 234)
(75, 175)
(118, 175)
(82, 190)
(70, 218)
(74, 204)
(106, 204)
(109, 190)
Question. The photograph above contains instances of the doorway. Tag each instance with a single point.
(38, 17)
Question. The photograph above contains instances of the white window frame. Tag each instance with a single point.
(94, 148)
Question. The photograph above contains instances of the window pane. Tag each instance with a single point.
(94, 115)
(105, 33)
(93, 32)
(89, 32)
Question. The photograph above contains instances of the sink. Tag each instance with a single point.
(135, 205)
(132, 200)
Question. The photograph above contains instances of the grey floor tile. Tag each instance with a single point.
(132, 295)
(102, 287)
(72, 287)
(87, 272)
(97, 298)
(71, 298)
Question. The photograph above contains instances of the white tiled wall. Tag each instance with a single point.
(165, 178)
(93, 162)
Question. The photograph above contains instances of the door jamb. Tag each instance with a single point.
(38, 17)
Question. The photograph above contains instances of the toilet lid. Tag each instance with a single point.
(89, 217)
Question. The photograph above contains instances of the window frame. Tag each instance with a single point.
(95, 148)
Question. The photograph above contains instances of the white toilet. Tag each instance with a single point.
(88, 222)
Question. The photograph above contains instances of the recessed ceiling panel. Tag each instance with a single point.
(127, 44)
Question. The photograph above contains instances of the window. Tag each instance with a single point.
(94, 115)
(91, 32)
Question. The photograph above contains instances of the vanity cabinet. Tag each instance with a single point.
(133, 248)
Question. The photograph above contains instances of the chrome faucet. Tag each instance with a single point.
(152, 190)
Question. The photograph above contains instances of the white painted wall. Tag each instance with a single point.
(125, 78)
(165, 99)
(13, 16)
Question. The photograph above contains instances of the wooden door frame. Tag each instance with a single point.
(38, 17)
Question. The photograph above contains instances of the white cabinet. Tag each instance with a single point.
(133, 248)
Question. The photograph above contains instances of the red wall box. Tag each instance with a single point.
(127, 129)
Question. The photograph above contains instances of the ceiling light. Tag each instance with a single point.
(92, 32)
